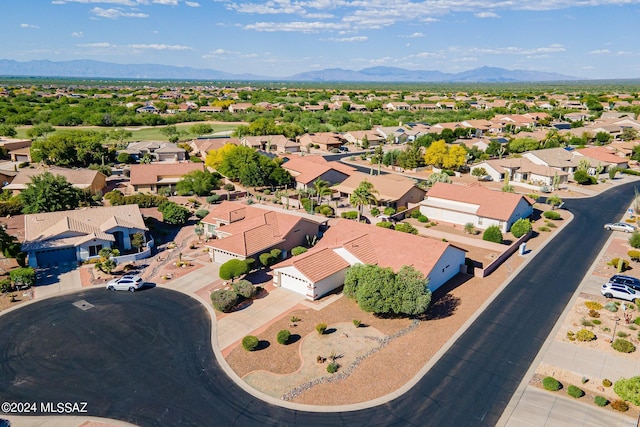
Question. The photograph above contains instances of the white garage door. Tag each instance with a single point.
(294, 284)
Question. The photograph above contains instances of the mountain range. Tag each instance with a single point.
(97, 69)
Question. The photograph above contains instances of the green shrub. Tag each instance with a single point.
(586, 322)
(600, 401)
(266, 259)
(423, 219)
(623, 346)
(574, 391)
(201, 213)
(23, 276)
(615, 262)
(545, 229)
(634, 255)
(415, 214)
(593, 305)
(405, 227)
(375, 211)
(385, 224)
(593, 313)
(244, 288)
(611, 306)
(283, 337)
(585, 335)
(332, 367)
(493, 234)
(581, 177)
(298, 250)
(224, 299)
(552, 215)
(620, 405)
(232, 269)
(356, 323)
(214, 198)
(634, 240)
(628, 389)
(622, 334)
(349, 214)
(637, 320)
(607, 382)
(5, 285)
(596, 321)
(326, 210)
(321, 327)
(521, 227)
(250, 342)
(389, 211)
(551, 384)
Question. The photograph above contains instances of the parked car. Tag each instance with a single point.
(620, 226)
(125, 283)
(628, 281)
(612, 290)
(485, 178)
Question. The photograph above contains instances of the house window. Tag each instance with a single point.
(95, 250)
(480, 221)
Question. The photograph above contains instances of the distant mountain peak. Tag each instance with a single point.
(88, 68)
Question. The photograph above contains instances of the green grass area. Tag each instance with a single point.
(147, 133)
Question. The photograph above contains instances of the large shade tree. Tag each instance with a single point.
(49, 193)
(198, 182)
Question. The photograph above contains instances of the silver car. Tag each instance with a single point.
(620, 226)
(612, 290)
(125, 283)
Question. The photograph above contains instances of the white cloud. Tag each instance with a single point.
(487, 15)
(131, 3)
(304, 27)
(102, 45)
(78, 34)
(28, 26)
(349, 39)
(160, 47)
(415, 35)
(509, 50)
(192, 3)
(116, 13)
(166, 2)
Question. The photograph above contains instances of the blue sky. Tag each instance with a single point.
(595, 39)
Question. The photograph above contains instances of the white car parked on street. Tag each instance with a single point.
(620, 226)
(125, 283)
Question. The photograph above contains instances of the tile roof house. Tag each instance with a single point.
(53, 238)
(160, 151)
(83, 179)
(155, 176)
(322, 269)
(202, 146)
(560, 158)
(522, 170)
(357, 137)
(305, 170)
(604, 155)
(392, 190)
(461, 204)
(242, 231)
(324, 140)
(278, 143)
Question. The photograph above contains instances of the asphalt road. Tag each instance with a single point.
(146, 358)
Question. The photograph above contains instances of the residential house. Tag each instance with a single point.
(210, 109)
(603, 154)
(21, 155)
(477, 205)
(322, 269)
(561, 159)
(154, 177)
(391, 189)
(9, 144)
(148, 109)
(202, 146)
(358, 137)
(393, 134)
(245, 231)
(160, 151)
(83, 179)
(278, 143)
(397, 106)
(326, 141)
(307, 169)
(54, 238)
(522, 170)
(240, 107)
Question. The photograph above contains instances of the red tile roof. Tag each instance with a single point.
(491, 204)
(151, 173)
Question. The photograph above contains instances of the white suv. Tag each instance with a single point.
(125, 283)
(614, 290)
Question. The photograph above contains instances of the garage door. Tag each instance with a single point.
(53, 257)
(294, 284)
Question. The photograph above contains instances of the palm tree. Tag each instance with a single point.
(321, 188)
(363, 195)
